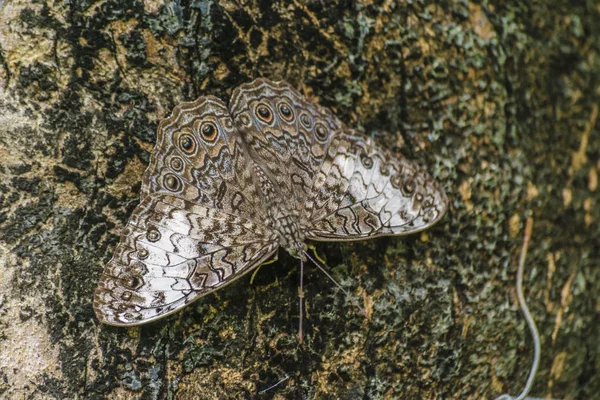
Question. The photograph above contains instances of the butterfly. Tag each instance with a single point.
(228, 185)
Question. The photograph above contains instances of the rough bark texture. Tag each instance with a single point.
(499, 99)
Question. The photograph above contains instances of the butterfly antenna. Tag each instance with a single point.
(301, 301)
(346, 292)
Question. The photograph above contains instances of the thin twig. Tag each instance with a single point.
(537, 348)
(285, 378)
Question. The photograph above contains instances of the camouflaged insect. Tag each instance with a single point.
(228, 185)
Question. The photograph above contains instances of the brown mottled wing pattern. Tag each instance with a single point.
(285, 132)
(172, 252)
(343, 185)
(200, 157)
(363, 191)
(227, 186)
(199, 225)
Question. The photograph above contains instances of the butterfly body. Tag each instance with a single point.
(228, 185)
(280, 217)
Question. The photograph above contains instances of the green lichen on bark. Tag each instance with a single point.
(499, 99)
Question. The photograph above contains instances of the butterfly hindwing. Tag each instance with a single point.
(285, 132)
(199, 157)
(172, 252)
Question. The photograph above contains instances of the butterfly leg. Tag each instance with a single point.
(301, 301)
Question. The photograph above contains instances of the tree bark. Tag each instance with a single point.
(499, 99)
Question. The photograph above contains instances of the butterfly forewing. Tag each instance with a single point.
(199, 197)
(172, 252)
